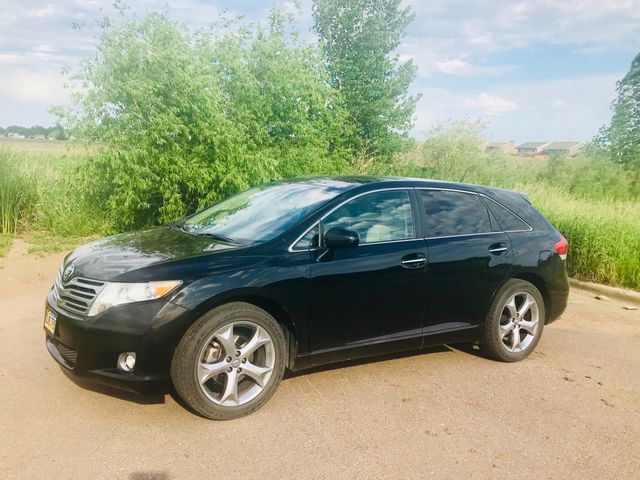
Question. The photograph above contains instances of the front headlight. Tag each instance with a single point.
(118, 293)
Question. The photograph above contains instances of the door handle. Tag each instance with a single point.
(414, 260)
(498, 248)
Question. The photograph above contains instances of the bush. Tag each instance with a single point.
(187, 119)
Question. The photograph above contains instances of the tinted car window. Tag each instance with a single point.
(507, 221)
(454, 213)
(309, 240)
(376, 217)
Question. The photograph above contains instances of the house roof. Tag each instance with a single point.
(532, 144)
(562, 145)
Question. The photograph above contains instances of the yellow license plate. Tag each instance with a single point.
(50, 319)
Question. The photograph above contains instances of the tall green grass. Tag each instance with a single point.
(17, 192)
(47, 192)
(603, 235)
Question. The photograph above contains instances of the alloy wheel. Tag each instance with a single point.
(235, 363)
(519, 322)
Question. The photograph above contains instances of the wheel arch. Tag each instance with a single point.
(269, 305)
(538, 282)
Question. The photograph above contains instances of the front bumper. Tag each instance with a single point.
(88, 348)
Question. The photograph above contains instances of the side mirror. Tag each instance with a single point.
(341, 238)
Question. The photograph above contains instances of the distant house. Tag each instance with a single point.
(567, 148)
(531, 148)
(14, 135)
(506, 147)
(39, 136)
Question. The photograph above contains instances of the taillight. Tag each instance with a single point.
(562, 247)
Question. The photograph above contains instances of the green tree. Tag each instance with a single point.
(151, 102)
(622, 135)
(187, 118)
(359, 39)
(279, 94)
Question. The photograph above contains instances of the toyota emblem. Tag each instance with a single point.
(68, 272)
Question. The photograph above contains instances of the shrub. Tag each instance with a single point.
(187, 119)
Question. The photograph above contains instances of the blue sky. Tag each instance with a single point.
(534, 70)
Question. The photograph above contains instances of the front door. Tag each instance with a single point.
(369, 299)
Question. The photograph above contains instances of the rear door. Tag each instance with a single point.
(467, 259)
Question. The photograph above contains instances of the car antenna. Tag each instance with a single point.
(464, 174)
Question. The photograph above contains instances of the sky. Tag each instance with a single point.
(532, 71)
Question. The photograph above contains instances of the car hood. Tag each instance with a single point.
(109, 257)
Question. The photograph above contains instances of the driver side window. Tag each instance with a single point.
(376, 217)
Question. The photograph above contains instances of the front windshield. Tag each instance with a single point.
(263, 212)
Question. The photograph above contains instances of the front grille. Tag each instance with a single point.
(70, 355)
(77, 294)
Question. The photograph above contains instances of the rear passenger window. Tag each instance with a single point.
(454, 213)
(507, 221)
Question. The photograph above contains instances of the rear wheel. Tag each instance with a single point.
(230, 361)
(515, 321)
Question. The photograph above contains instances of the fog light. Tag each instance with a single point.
(126, 361)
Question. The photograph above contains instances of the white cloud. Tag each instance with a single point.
(462, 68)
(33, 86)
(49, 10)
(490, 105)
(9, 58)
(494, 25)
(564, 109)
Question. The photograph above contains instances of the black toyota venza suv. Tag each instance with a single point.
(301, 273)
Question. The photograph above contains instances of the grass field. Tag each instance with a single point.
(42, 199)
(47, 147)
(604, 236)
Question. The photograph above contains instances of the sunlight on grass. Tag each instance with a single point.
(46, 242)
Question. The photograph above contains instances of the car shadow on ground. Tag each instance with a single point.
(149, 476)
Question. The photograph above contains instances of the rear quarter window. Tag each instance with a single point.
(507, 221)
(450, 213)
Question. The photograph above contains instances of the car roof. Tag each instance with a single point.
(345, 183)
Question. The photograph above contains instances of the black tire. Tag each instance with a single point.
(491, 343)
(186, 358)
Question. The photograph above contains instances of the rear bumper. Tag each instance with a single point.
(558, 305)
(558, 291)
(88, 348)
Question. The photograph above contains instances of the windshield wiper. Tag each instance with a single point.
(215, 236)
(218, 236)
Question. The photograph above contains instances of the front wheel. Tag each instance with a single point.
(230, 361)
(515, 321)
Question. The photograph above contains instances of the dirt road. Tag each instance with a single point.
(572, 410)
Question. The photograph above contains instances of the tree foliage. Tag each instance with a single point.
(622, 135)
(358, 39)
(187, 118)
